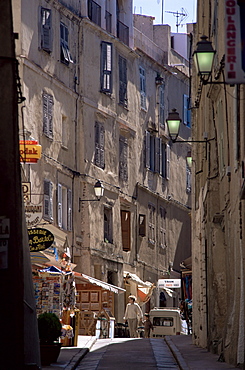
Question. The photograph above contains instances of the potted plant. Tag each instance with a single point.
(49, 328)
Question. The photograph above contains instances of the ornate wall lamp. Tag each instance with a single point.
(173, 123)
(204, 57)
(99, 192)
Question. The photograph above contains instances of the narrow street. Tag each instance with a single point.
(127, 354)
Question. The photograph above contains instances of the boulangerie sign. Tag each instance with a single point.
(235, 41)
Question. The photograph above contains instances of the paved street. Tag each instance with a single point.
(126, 353)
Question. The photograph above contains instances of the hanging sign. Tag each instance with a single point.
(234, 41)
(169, 283)
(34, 213)
(30, 151)
(40, 239)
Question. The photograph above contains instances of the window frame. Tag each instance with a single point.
(99, 140)
(123, 100)
(48, 103)
(65, 55)
(151, 224)
(106, 67)
(142, 88)
(123, 158)
(46, 29)
(126, 230)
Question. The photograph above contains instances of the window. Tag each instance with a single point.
(123, 81)
(151, 224)
(142, 88)
(187, 111)
(64, 207)
(65, 55)
(99, 156)
(161, 105)
(94, 12)
(153, 154)
(106, 67)
(108, 225)
(142, 225)
(125, 227)
(162, 239)
(48, 200)
(48, 103)
(123, 159)
(46, 41)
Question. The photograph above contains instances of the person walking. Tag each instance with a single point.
(147, 325)
(133, 314)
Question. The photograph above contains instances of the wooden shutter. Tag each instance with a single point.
(46, 29)
(142, 88)
(157, 154)
(147, 149)
(69, 210)
(106, 67)
(99, 156)
(161, 104)
(125, 226)
(59, 204)
(123, 158)
(48, 199)
(48, 115)
(122, 81)
(167, 161)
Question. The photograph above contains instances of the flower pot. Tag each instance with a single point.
(49, 353)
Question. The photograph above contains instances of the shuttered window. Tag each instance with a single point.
(99, 155)
(162, 228)
(151, 224)
(46, 41)
(123, 81)
(186, 110)
(108, 235)
(123, 159)
(48, 103)
(64, 207)
(106, 67)
(125, 227)
(142, 88)
(48, 200)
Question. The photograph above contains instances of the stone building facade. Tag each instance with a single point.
(99, 84)
(218, 198)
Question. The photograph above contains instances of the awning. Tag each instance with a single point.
(136, 279)
(38, 257)
(102, 284)
(59, 235)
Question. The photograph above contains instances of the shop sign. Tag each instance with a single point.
(34, 213)
(26, 190)
(169, 283)
(40, 239)
(234, 41)
(30, 151)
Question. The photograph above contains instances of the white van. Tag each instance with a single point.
(167, 321)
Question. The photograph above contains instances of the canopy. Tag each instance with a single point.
(136, 279)
(52, 270)
(102, 284)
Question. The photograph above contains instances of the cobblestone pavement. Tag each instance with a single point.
(127, 354)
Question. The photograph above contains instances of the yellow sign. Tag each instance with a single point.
(30, 151)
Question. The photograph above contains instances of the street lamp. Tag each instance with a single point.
(173, 123)
(203, 58)
(99, 192)
(189, 159)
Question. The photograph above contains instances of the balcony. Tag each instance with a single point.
(94, 12)
(123, 32)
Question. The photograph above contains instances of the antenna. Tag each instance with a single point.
(182, 15)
